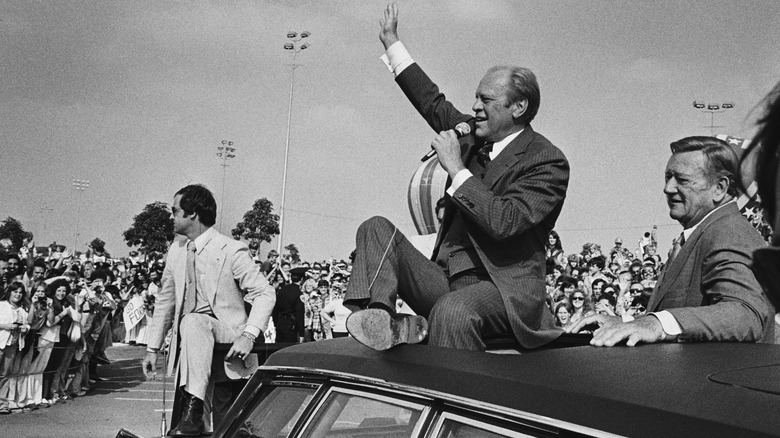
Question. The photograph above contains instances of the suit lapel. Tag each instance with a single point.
(674, 270)
(213, 251)
(508, 157)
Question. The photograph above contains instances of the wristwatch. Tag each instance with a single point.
(249, 336)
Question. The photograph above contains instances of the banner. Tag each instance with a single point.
(134, 312)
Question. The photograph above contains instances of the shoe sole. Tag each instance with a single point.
(376, 329)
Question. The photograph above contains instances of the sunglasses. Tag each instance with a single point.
(578, 299)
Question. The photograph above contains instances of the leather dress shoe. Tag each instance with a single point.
(191, 423)
(376, 328)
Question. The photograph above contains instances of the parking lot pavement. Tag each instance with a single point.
(125, 400)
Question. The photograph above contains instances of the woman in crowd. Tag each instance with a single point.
(50, 343)
(582, 306)
(554, 248)
(309, 286)
(28, 388)
(563, 311)
(13, 326)
(137, 334)
(335, 314)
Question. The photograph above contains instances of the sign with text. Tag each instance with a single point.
(134, 312)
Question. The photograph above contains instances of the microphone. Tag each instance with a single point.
(462, 129)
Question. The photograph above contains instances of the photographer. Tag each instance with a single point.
(55, 373)
(93, 300)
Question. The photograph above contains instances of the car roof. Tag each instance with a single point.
(718, 389)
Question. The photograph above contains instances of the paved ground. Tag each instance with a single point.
(127, 401)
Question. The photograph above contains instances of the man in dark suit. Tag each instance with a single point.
(508, 183)
(707, 291)
(289, 310)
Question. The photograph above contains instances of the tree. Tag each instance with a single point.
(293, 253)
(259, 224)
(152, 229)
(13, 230)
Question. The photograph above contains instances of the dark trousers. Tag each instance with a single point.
(460, 310)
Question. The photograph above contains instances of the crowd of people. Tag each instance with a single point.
(59, 312)
(593, 281)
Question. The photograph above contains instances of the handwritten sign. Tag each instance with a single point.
(134, 312)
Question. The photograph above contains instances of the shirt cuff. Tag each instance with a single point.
(458, 181)
(252, 330)
(670, 325)
(397, 58)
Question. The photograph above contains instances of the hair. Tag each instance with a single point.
(610, 299)
(598, 261)
(40, 263)
(17, 285)
(720, 160)
(99, 274)
(558, 245)
(522, 85)
(599, 281)
(766, 143)
(57, 306)
(272, 253)
(196, 198)
(440, 204)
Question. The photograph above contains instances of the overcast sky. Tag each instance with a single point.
(136, 96)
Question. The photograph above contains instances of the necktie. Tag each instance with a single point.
(483, 154)
(190, 281)
(678, 243)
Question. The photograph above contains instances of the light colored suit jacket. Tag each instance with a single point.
(508, 214)
(230, 279)
(709, 287)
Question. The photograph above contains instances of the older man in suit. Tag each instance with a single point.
(486, 274)
(207, 280)
(707, 291)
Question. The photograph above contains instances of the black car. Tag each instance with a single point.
(341, 389)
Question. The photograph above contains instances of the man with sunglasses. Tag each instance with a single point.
(707, 291)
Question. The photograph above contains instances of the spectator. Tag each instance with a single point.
(14, 305)
(581, 306)
(606, 305)
(335, 314)
(563, 311)
(554, 248)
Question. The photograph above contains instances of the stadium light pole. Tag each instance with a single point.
(224, 152)
(45, 212)
(712, 109)
(80, 186)
(294, 46)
